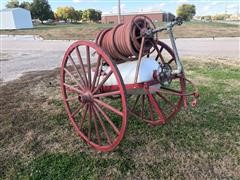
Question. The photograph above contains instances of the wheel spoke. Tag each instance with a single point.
(137, 25)
(103, 81)
(102, 124)
(108, 119)
(96, 128)
(158, 109)
(83, 117)
(81, 64)
(89, 66)
(161, 49)
(107, 94)
(158, 51)
(171, 60)
(77, 110)
(76, 69)
(140, 36)
(150, 109)
(96, 72)
(73, 88)
(161, 57)
(73, 78)
(165, 99)
(89, 122)
(108, 107)
(136, 101)
(99, 75)
(172, 90)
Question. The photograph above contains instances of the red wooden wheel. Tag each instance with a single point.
(156, 108)
(98, 120)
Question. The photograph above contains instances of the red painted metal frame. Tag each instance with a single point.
(148, 87)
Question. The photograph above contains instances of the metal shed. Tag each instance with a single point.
(15, 18)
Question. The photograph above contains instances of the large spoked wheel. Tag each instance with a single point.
(98, 120)
(158, 107)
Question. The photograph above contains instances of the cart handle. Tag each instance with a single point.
(177, 21)
(194, 93)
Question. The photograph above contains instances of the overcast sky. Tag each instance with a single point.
(203, 7)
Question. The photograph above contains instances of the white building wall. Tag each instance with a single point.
(17, 18)
(6, 20)
(22, 19)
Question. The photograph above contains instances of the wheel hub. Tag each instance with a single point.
(86, 97)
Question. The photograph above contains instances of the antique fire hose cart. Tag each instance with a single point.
(126, 71)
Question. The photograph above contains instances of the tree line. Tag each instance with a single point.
(69, 13)
(41, 9)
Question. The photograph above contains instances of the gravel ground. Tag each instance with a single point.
(21, 55)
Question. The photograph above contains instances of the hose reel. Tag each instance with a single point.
(123, 41)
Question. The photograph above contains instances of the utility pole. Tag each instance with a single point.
(119, 12)
(225, 11)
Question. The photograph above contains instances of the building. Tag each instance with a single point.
(155, 16)
(15, 18)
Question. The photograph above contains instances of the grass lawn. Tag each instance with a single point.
(37, 140)
(89, 31)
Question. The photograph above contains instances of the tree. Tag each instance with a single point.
(85, 15)
(68, 13)
(72, 14)
(41, 10)
(98, 15)
(12, 4)
(91, 15)
(79, 14)
(65, 13)
(60, 14)
(26, 5)
(186, 11)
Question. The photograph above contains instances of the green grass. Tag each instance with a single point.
(38, 142)
(73, 166)
(89, 31)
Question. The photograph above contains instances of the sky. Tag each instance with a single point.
(203, 7)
